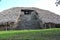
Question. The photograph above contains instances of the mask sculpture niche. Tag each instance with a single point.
(28, 20)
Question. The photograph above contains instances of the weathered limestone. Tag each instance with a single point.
(28, 18)
(29, 21)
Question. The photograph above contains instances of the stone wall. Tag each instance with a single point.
(29, 21)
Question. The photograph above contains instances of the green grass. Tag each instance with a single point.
(42, 34)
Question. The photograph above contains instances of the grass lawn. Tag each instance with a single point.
(42, 34)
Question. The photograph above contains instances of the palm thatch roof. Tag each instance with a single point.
(12, 14)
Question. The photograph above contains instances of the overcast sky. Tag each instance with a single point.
(43, 4)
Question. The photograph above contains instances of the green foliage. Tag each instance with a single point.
(42, 34)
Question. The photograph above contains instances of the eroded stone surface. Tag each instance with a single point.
(30, 21)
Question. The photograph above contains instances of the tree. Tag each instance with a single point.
(57, 2)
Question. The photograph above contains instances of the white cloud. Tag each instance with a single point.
(47, 5)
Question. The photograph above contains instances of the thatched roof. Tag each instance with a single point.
(11, 15)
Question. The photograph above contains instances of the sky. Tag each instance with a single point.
(42, 4)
